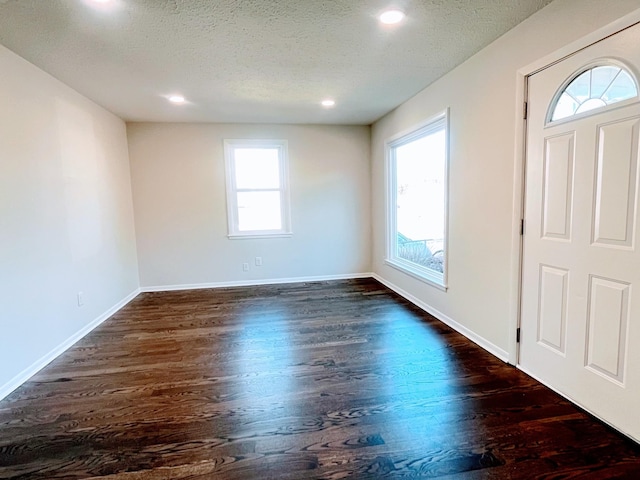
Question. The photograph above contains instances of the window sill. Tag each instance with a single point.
(242, 236)
(436, 280)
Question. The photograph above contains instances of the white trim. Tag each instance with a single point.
(282, 146)
(600, 62)
(39, 364)
(427, 276)
(522, 96)
(251, 283)
(424, 128)
(26, 374)
(576, 402)
(475, 338)
(517, 216)
(250, 236)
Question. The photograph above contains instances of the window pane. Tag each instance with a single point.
(601, 78)
(259, 211)
(257, 168)
(565, 107)
(594, 89)
(580, 87)
(591, 104)
(622, 88)
(420, 200)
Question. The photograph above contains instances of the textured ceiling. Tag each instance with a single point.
(252, 60)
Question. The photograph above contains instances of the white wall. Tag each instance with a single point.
(485, 99)
(66, 217)
(178, 182)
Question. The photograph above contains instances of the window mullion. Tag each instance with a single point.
(256, 211)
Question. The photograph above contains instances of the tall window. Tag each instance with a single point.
(257, 188)
(417, 166)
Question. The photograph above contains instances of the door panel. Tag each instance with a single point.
(558, 186)
(617, 163)
(608, 322)
(580, 310)
(552, 313)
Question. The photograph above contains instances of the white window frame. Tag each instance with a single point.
(549, 122)
(427, 275)
(232, 191)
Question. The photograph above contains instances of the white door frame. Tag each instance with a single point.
(519, 190)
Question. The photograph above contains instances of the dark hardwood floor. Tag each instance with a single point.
(321, 380)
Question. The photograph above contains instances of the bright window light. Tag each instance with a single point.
(593, 89)
(417, 197)
(257, 188)
(328, 103)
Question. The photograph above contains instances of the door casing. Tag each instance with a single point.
(522, 94)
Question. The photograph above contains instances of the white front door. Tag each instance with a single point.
(580, 317)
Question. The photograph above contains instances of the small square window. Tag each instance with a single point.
(257, 188)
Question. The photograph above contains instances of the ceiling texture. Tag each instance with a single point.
(252, 61)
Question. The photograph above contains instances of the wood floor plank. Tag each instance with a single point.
(322, 380)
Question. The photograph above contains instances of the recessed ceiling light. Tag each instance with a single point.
(328, 103)
(177, 99)
(391, 17)
(104, 5)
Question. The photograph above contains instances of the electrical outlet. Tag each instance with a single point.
(245, 267)
(80, 299)
(258, 261)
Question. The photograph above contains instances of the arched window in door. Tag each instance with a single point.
(594, 88)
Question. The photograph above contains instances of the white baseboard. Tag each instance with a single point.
(252, 283)
(30, 371)
(26, 374)
(475, 338)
